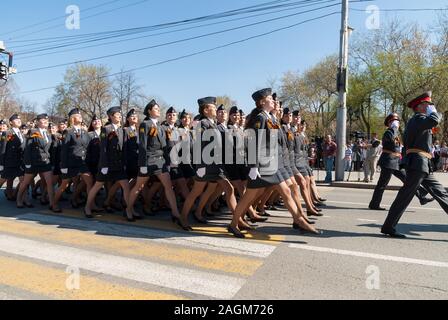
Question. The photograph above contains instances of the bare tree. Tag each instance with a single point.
(126, 90)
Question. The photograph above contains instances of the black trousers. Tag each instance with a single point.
(383, 181)
(413, 180)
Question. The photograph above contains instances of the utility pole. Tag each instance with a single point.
(342, 83)
(6, 68)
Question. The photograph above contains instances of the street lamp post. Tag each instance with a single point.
(341, 128)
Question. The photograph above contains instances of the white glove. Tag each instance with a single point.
(254, 173)
(64, 171)
(201, 172)
(2, 168)
(143, 170)
(168, 168)
(28, 167)
(431, 109)
(104, 171)
(395, 124)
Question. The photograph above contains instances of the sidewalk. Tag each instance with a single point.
(353, 182)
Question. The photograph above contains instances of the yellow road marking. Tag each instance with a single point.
(197, 258)
(51, 282)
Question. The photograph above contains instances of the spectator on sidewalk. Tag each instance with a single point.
(348, 157)
(373, 153)
(436, 160)
(444, 157)
(329, 153)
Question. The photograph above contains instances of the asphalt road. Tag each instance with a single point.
(48, 256)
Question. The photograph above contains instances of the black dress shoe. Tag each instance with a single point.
(393, 234)
(88, 216)
(201, 221)
(319, 204)
(296, 226)
(377, 208)
(148, 213)
(244, 228)
(237, 233)
(138, 217)
(28, 205)
(255, 220)
(108, 209)
(318, 210)
(58, 210)
(74, 204)
(264, 214)
(314, 214)
(424, 201)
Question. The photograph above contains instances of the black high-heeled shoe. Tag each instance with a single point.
(88, 216)
(296, 226)
(237, 233)
(28, 205)
(177, 221)
(201, 221)
(108, 209)
(137, 217)
(255, 220)
(74, 204)
(58, 210)
(309, 214)
(148, 213)
(322, 200)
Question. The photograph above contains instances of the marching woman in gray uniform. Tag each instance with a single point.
(152, 161)
(207, 172)
(75, 141)
(186, 136)
(173, 141)
(112, 161)
(264, 171)
(390, 163)
(285, 160)
(12, 146)
(37, 159)
(417, 143)
(131, 145)
(94, 147)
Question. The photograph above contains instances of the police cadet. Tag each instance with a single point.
(12, 146)
(298, 157)
(62, 126)
(207, 133)
(94, 147)
(417, 144)
(112, 162)
(152, 161)
(55, 152)
(3, 126)
(186, 135)
(238, 171)
(389, 163)
(264, 170)
(173, 141)
(131, 144)
(75, 141)
(37, 160)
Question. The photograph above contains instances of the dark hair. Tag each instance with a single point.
(201, 111)
(253, 115)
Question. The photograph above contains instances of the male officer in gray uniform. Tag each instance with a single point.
(417, 143)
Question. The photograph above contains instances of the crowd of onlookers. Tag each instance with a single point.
(362, 155)
(440, 156)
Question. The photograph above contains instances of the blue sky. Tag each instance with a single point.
(236, 70)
